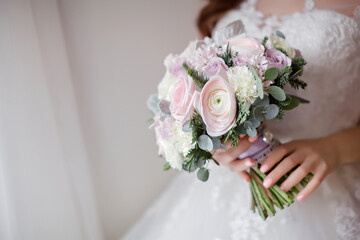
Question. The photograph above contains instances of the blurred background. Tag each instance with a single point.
(77, 160)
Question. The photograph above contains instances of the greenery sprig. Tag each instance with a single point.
(199, 78)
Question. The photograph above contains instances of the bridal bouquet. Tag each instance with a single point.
(220, 88)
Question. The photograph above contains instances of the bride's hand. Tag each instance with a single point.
(316, 156)
(229, 157)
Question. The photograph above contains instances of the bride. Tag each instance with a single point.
(328, 34)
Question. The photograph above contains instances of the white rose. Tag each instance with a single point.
(278, 42)
(244, 84)
(165, 86)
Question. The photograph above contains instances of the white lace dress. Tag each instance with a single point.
(220, 208)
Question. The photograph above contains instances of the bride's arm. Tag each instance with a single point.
(318, 156)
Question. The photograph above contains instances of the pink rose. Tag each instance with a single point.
(217, 106)
(246, 46)
(277, 59)
(182, 98)
(216, 66)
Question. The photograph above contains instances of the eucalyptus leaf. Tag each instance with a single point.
(277, 93)
(263, 102)
(271, 74)
(251, 132)
(186, 127)
(259, 85)
(216, 143)
(247, 124)
(153, 104)
(193, 167)
(271, 111)
(205, 143)
(200, 162)
(203, 174)
(280, 34)
(258, 113)
(255, 123)
(164, 107)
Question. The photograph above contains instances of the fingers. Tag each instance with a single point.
(314, 183)
(284, 167)
(244, 175)
(253, 139)
(225, 157)
(295, 177)
(241, 165)
(275, 156)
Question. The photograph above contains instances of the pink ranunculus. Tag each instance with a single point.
(217, 106)
(245, 46)
(216, 66)
(277, 59)
(182, 98)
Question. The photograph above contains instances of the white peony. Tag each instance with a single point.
(165, 85)
(279, 42)
(244, 84)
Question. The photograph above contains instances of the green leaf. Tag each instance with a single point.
(199, 78)
(186, 127)
(266, 38)
(216, 143)
(258, 113)
(205, 143)
(203, 174)
(271, 74)
(280, 34)
(271, 111)
(259, 85)
(251, 132)
(301, 100)
(297, 74)
(294, 102)
(277, 93)
(166, 166)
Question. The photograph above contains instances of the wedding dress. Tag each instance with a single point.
(220, 208)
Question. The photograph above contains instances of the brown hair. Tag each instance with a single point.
(212, 12)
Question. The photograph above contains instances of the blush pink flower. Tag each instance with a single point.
(217, 106)
(216, 66)
(245, 46)
(182, 98)
(277, 59)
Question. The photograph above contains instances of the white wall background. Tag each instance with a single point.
(116, 50)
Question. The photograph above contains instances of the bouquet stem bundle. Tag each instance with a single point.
(265, 199)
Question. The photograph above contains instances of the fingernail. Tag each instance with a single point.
(282, 188)
(249, 163)
(263, 168)
(267, 182)
(300, 197)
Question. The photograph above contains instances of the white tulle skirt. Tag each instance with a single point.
(220, 210)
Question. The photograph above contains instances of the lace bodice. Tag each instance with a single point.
(330, 42)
